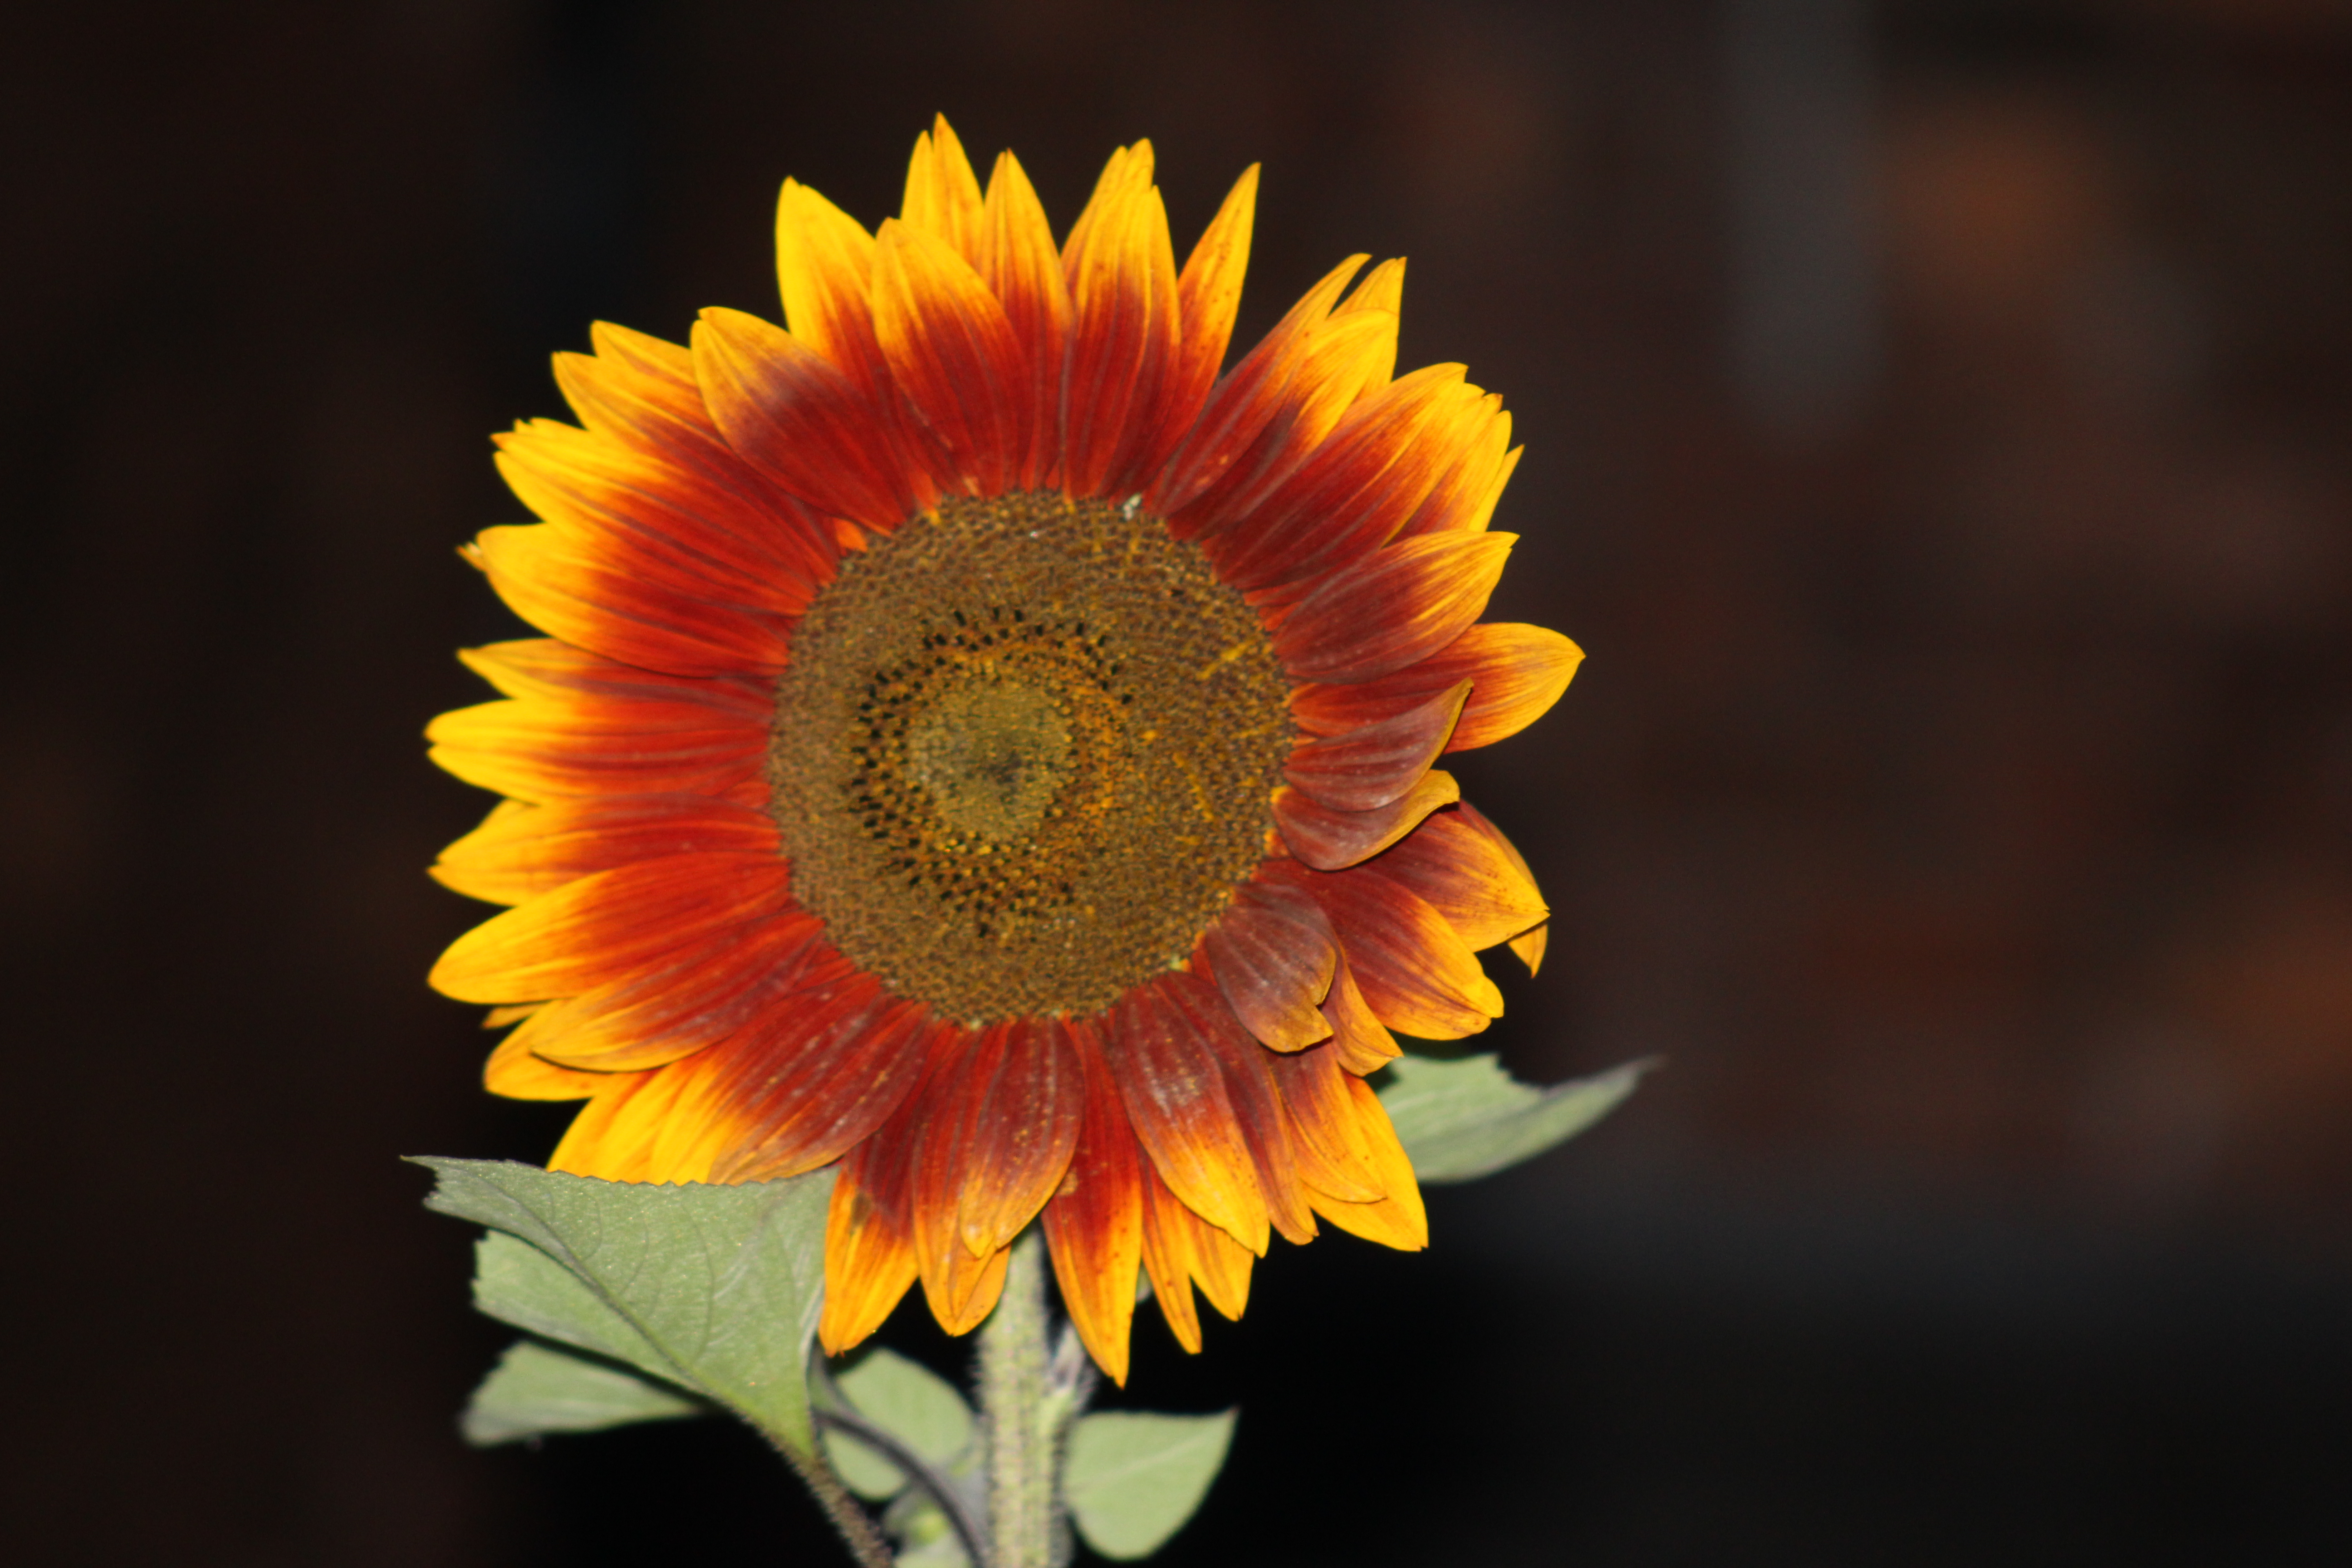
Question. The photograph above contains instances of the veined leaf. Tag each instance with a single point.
(714, 1289)
(1465, 1119)
(1132, 1479)
(912, 1403)
(537, 1389)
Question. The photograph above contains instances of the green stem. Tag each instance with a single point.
(857, 1527)
(1029, 1392)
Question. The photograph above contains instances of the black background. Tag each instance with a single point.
(1937, 436)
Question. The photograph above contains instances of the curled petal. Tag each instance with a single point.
(1001, 1140)
(1370, 766)
(1397, 1218)
(1392, 608)
(1463, 500)
(1330, 840)
(1360, 1041)
(1420, 977)
(1272, 955)
(513, 1071)
(1333, 1158)
(1466, 870)
(1181, 1248)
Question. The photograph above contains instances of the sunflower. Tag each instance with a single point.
(979, 745)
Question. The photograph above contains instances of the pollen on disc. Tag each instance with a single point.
(1025, 749)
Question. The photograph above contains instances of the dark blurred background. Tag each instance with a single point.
(1936, 423)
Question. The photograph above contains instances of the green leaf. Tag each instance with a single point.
(715, 1289)
(1132, 1480)
(1465, 1119)
(912, 1403)
(536, 1389)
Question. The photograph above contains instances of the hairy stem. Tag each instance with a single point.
(857, 1529)
(1029, 1392)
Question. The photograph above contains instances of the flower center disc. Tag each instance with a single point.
(1025, 749)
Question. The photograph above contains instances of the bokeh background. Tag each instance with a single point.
(1936, 423)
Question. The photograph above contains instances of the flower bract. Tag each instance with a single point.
(979, 743)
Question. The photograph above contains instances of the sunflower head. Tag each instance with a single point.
(979, 744)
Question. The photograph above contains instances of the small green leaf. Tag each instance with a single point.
(1465, 1119)
(536, 1388)
(912, 1403)
(714, 1289)
(1132, 1480)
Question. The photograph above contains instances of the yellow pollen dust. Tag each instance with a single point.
(1025, 749)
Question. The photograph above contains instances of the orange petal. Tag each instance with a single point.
(1008, 1118)
(1360, 1041)
(797, 416)
(674, 1009)
(1394, 607)
(576, 584)
(954, 356)
(1249, 1083)
(1020, 265)
(1271, 954)
(1373, 764)
(544, 748)
(1175, 1094)
(728, 535)
(802, 1084)
(1468, 872)
(1359, 486)
(1464, 498)
(1333, 1158)
(542, 667)
(607, 926)
(869, 1258)
(521, 851)
(1124, 332)
(1246, 401)
(1169, 1230)
(1345, 356)
(1179, 1248)
(1209, 295)
(514, 1072)
(1398, 1219)
(1331, 840)
(1420, 977)
(824, 262)
(632, 1131)
(942, 193)
(1517, 673)
(1528, 946)
(1094, 1223)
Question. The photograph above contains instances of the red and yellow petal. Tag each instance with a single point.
(1395, 606)
(1094, 1223)
(607, 926)
(1175, 1095)
(549, 749)
(521, 851)
(1516, 674)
